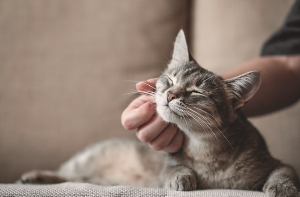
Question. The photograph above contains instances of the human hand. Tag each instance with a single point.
(150, 128)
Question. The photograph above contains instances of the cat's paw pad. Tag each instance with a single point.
(32, 177)
(281, 189)
(182, 182)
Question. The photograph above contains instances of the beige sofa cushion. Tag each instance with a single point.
(63, 72)
(86, 189)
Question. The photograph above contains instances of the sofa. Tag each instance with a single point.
(66, 68)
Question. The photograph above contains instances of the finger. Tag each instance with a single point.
(139, 101)
(148, 85)
(164, 138)
(150, 130)
(135, 115)
(176, 142)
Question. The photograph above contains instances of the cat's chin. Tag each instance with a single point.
(167, 114)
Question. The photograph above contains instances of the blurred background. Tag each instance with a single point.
(65, 66)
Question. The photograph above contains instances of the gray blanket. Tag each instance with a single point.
(85, 189)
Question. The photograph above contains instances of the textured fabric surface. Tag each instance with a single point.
(64, 71)
(84, 189)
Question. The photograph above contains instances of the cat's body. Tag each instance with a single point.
(221, 148)
(119, 161)
(115, 162)
(245, 166)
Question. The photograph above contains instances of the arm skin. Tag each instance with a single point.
(280, 87)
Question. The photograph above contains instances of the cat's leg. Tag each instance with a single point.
(179, 178)
(283, 182)
(41, 177)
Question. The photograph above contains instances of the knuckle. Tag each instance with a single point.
(173, 147)
(157, 145)
(127, 124)
(143, 136)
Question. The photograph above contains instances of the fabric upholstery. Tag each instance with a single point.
(84, 189)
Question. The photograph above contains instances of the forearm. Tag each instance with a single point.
(280, 86)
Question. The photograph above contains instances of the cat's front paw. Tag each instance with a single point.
(182, 182)
(283, 188)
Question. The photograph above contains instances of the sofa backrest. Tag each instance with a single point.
(64, 67)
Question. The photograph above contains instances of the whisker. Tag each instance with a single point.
(183, 117)
(133, 92)
(141, 82)
(162, 55)
(201, 118)
(197, 120)
(144, 92)
(208, 114)
(214, 126)
(187, 117)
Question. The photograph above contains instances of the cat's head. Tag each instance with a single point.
(196, 99)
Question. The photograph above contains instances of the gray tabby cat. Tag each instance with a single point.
(221, 148)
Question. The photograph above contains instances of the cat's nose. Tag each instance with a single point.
(171, 96)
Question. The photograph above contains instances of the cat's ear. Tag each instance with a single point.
(181, 52)
(243, 87)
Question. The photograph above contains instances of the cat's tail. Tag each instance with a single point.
(41, 177)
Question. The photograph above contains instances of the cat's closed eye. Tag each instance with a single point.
(169, 80)
(197, 93)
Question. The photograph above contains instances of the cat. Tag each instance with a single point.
(221, 148)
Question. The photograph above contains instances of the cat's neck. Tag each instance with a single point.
(215, 141)
(207, 143)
